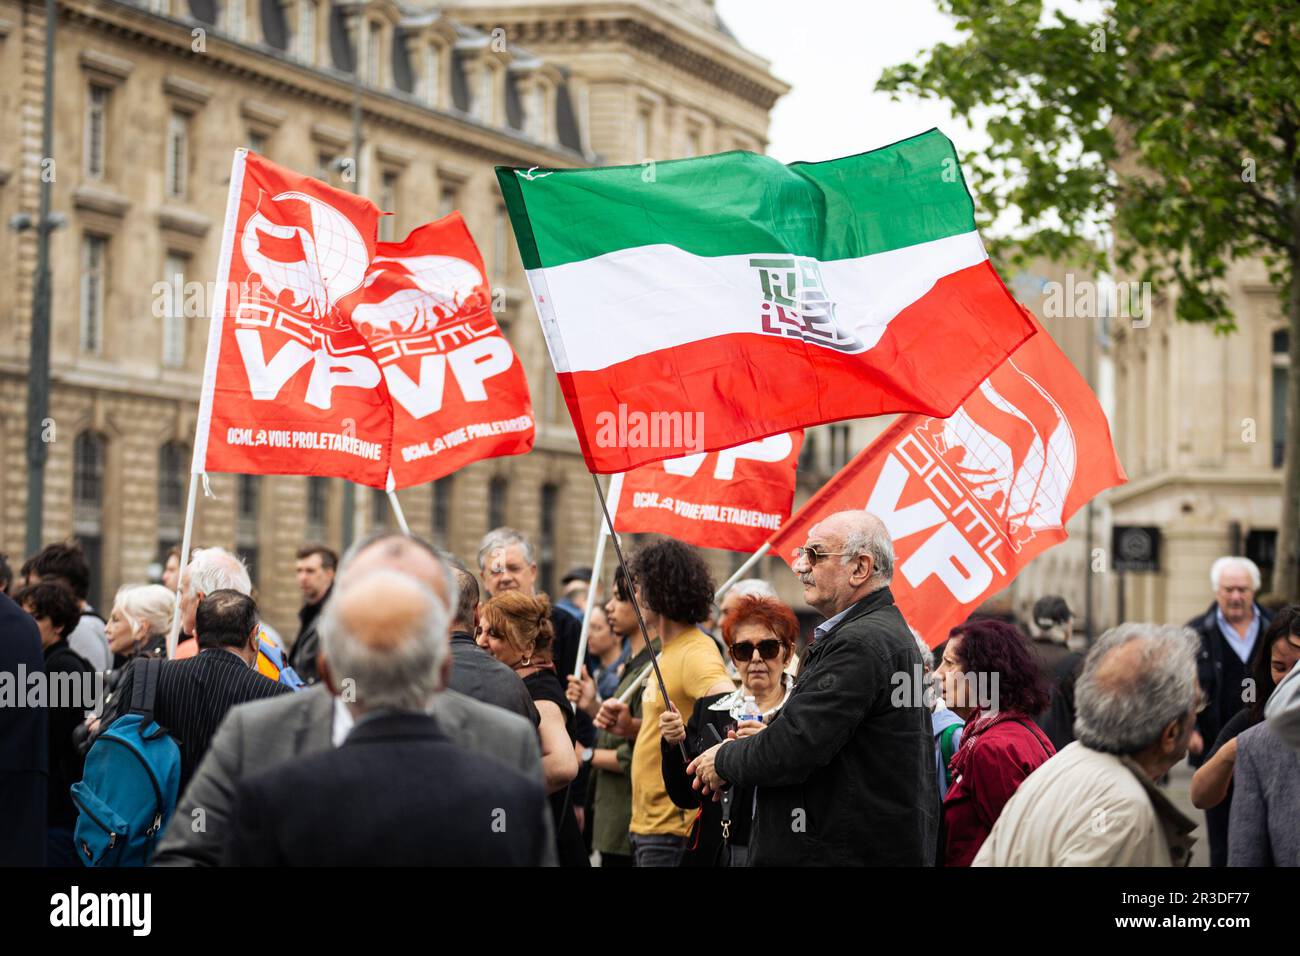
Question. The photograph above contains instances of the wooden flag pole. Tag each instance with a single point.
(636, 606)
(752, 560)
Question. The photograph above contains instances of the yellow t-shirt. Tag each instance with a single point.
(691, 665)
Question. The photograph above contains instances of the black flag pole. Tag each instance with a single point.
(636, 606)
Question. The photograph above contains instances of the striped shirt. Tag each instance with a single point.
(194, 696)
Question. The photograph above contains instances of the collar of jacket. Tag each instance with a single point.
(309, 612)
(388, 725)
(865, 605)
(465, 637)
(220, 655)
(1174, 824)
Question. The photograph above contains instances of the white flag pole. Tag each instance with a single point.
(615, 491)
(752, 560)
(174, 635)
(397, 513)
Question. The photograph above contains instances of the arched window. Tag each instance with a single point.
(546, 544)
(498, 492)
(248, 499)
(442, 489)
(318, 490)
(89, 454)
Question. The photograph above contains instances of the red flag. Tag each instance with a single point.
(732, 499)
(970, 499)
(290, 387)
(458, 389)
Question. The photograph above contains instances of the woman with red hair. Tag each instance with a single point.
(760, 634)
(990, 678)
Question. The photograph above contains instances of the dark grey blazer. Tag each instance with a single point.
(476, 673)
(258, 736)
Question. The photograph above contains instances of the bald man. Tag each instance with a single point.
(846, 771)
(252, 739)
(427, 801)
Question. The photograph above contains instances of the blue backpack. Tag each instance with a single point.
(129, 788)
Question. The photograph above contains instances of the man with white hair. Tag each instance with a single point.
(424, 800)
(845, 774)
(209, 569)
(1228, 632)
(1096, 802)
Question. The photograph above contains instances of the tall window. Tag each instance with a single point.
(94, 255)
(693, 142)
(442, 510)
(546, 547)
(498, 491)
(808, 453)
(88, 460)
(178, 154)
(317, 508)
(173, 458)
(96, 130)
(257, 142)
(307, 31)
(839, 446)
(388, 201)
(1281, 370)
(641, 144)
(447, 201)
(372, 54)
(174, 322)
(432, 74)
(326, 166)
(247, 538)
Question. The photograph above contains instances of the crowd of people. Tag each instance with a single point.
(439, 715)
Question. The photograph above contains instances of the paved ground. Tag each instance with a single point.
(1180, 781)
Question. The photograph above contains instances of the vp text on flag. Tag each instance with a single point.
(702, 303)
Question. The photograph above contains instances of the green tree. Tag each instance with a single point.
(1171, 124)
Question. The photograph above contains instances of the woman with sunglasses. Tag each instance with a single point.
(760, 634)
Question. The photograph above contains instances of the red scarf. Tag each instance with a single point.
(972, 732)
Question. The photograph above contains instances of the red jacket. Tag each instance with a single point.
(997, 752)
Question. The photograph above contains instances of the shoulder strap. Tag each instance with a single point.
(145, 686)
(1035, 736)
(946, 748)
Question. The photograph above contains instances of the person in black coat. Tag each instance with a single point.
(846, 774)
(316, 567)
(69, 695)
(476, 673)
(24, 757)
(1228, 630)
(397, 792)
(760, 635)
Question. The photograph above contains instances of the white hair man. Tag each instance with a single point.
(1228, 631)
(385, 656)
(840, 732)
(209, 569)
(1096, 802)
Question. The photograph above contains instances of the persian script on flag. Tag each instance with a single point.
(734, 499)
(970, 499)
(759, 297)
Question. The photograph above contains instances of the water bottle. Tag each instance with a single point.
(749, 710)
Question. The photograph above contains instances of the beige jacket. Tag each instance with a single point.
(1088, 808)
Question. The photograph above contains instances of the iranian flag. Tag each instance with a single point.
(703, 303)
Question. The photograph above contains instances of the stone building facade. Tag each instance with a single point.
(152, 97)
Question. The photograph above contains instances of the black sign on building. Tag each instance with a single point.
(1135, 548)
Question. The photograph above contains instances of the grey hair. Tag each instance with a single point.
(1124, 713)
(754, 587)
(151, 603)
(216, 569)
(374, 536)
(499, 538)
(873, 541)
(403, 675)
(927, 653)
(1221, 565)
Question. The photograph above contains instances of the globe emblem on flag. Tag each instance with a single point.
(299, 244)
(413, 294)
(1013, 446)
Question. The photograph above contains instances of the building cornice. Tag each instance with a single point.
(1254, 480)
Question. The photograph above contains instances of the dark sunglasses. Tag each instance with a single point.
(744, 650)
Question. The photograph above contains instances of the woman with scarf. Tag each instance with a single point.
(516, 629)
(990, 679)
(760, 634)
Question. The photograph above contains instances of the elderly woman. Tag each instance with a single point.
(138, 624)
(760, 634)
(516, 629)
(990, 678)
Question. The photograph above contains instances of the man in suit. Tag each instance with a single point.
(845, 776)
(195, 694)
(438, 804)
(261, 735)
(23, 754)
(475, 672)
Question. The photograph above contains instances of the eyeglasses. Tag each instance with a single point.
(767, 649)
(813, 555)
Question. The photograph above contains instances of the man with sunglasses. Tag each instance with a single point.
(845, 775)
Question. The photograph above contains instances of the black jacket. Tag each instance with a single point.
(439, 805)
(844, 776)
(681, 790)
(194, 695)
(23, 754)
(66, 760)
(476, 673)
(302, 657)
(1220, 672)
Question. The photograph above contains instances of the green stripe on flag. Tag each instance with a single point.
(909, 192)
